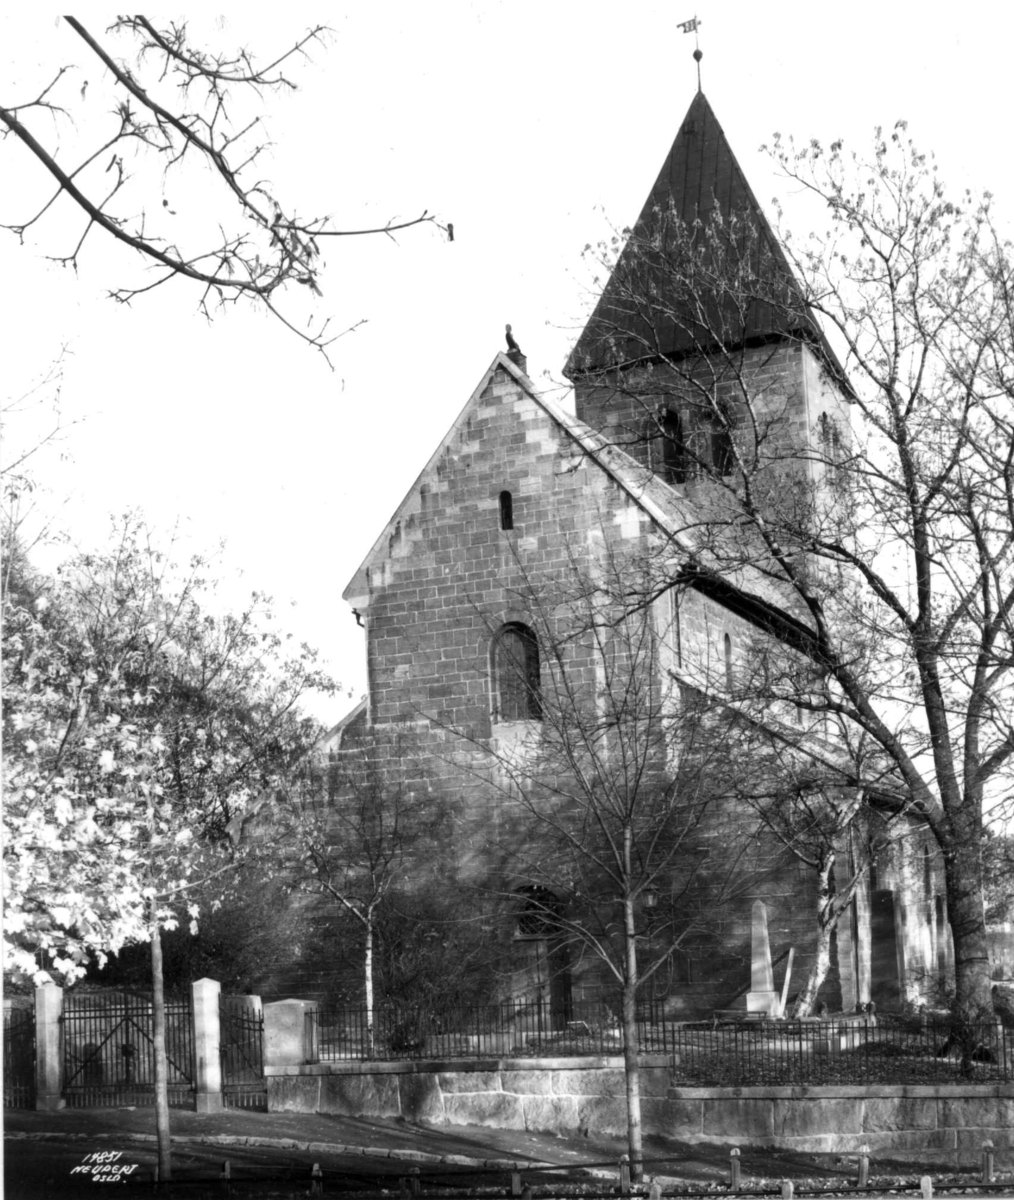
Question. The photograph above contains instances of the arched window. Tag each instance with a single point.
(506, 510)
(516, 674)
(727, 647)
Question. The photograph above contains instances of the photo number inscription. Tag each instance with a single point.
(104, 1166)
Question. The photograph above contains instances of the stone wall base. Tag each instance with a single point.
(540, 1095)
(953, 1118)
(563, 1095)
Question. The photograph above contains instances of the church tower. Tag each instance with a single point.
(702, 357)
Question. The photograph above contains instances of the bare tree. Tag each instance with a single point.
(878, 544)
(609, 786)
(180, 126)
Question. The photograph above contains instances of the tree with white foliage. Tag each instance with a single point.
(137, 727)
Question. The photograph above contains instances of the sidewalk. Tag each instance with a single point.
(459, 1145)
(44, 1153)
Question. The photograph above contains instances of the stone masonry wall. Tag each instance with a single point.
(565, 1095)
(447, 577)
(536, 1094)
(773, 380)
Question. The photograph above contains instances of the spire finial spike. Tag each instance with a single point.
(691, 27)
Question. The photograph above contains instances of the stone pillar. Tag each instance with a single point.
(207, 1053)
(48, 1056)
(762, 997)
(285, 1032)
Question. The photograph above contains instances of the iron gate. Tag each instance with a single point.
(19, 1058)
(109, 1050)
(241, 1039)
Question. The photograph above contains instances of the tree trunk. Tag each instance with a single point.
(973, 987)
(826, 921)
(817, 974)
(165, 1169)
(368, 980)
(631, 1065)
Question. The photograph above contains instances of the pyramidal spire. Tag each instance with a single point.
(641, 313)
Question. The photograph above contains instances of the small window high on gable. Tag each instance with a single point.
(506, 510)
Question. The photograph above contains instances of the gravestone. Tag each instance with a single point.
(762, 997)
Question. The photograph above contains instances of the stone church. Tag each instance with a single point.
(525, 495)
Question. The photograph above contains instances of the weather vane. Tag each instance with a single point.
(691, 27)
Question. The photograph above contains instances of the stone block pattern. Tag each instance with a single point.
(445, 577)
(449, 577)
(560, 1096)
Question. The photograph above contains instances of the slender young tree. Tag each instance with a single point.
(609, 786)
(350, 830)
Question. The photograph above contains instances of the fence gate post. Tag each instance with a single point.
(207, 1035)
(48, 1055)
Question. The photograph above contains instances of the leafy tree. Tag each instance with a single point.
(885, 540)
(137, 728)
(173, 170)
(247, 932)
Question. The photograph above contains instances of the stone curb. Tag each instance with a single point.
(228, 1139)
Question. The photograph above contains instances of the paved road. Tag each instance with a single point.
(38, 1168)
(42, 1151)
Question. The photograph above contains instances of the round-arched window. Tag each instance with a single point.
(516, 690)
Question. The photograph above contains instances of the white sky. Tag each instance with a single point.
(531, 126)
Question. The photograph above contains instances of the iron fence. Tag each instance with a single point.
(109, 1050)
(858, 1052)
(19, 1058)
(468, 1031)
(241, 1049)
(702, 1054)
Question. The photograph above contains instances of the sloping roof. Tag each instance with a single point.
(672, 510)
(660, 299)
(332, 740)
(357, 587)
